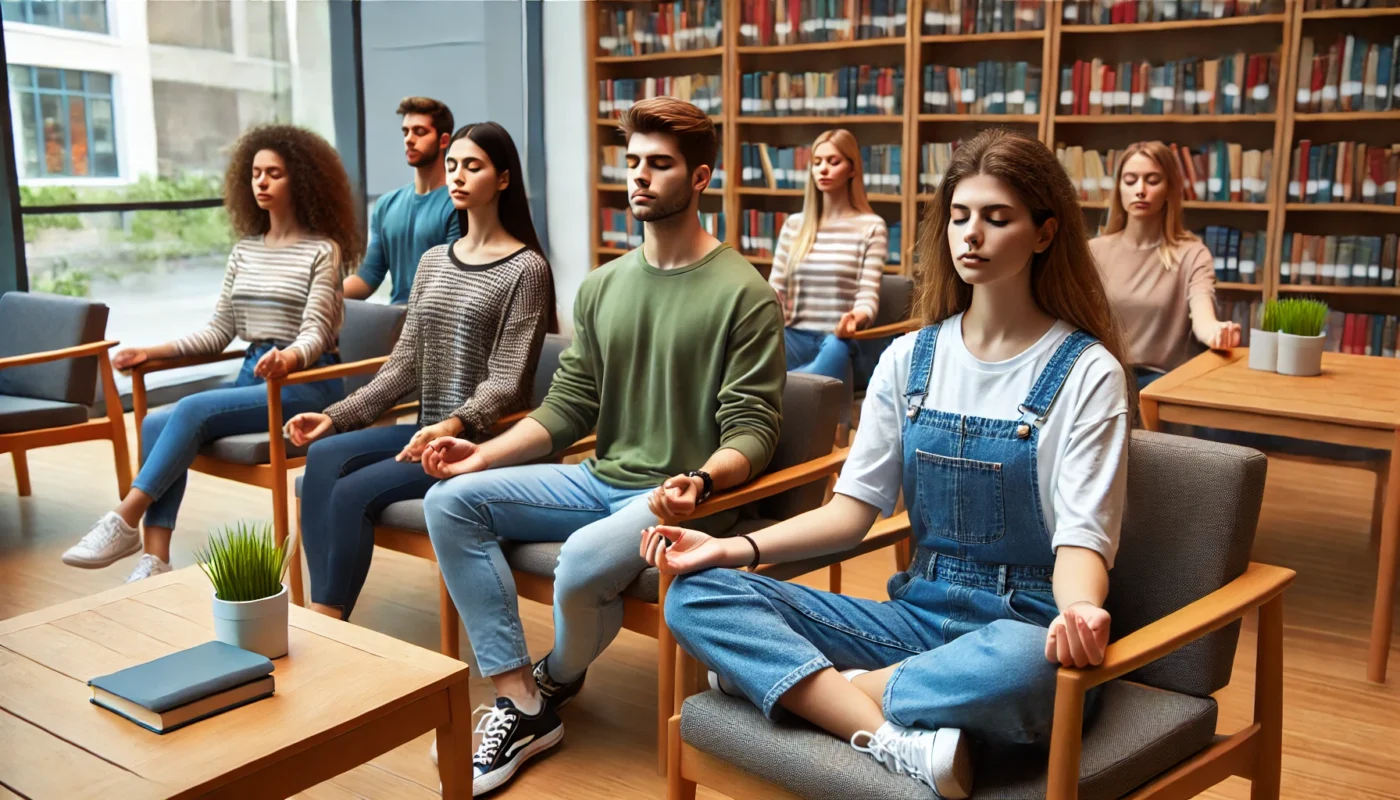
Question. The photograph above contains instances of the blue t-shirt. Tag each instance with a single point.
(402, 227)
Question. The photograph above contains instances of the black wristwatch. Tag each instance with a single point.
(707, 480)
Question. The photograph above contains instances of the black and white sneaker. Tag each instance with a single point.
(509, 737)
(556, 695)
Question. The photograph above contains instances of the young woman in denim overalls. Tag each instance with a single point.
(1005, 423)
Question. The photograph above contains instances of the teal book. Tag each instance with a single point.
(173, 691)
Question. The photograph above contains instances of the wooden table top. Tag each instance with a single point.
(54, 743)
(1360, 391)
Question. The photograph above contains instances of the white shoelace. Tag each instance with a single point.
(493, 729)
(889, 756)
(146, 567)
(101, 536)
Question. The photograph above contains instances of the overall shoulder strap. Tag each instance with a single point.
(1047, 387)
(921, 367)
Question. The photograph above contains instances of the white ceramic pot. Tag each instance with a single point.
(1263, 350)
(259, 626)
(1300, 355)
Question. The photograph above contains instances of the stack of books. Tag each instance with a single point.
(618, 94)
(1344, 172)
(1353, 75)
(660, 28)
(1338, 260)
(1119, 12)
(991, 87)
(847, 90)
(186, 686)
(1218, 172)
(769, 166)
(1361, 334)
(952, 17)
(613, 167)
(779, 22)
(1236, 84)
(1239, 255)
(933, 164)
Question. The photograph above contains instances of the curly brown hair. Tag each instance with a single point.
(321, 194)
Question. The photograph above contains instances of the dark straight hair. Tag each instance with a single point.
(513, 207)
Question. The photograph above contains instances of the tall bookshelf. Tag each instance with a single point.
(1059, 42)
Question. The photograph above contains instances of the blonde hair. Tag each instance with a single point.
(1064, 280)
(845, 143)
(1174, 234)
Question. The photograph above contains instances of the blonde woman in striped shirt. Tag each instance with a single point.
(287, 194)
(827, 267)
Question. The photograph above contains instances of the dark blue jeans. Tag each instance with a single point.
(350, 478)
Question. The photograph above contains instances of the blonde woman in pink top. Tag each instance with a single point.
(1159, 276)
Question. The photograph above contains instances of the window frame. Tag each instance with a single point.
(34, 94)
(28, 6)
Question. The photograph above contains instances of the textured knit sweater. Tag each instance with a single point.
(289, 295)
(470, 344)
(841, 273)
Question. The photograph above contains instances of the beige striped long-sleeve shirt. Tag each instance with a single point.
(290, 295)
(840, 274)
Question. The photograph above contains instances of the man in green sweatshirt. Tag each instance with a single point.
(677, 362)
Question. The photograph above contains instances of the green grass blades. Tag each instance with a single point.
(1268, 321)
(244, 562)
(1301, 317)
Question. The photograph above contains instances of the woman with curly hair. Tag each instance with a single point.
(288, 196)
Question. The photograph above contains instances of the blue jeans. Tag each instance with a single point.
(1145, 377)
(819, 353)
(600, 526)
(350, 478)
(171, 436)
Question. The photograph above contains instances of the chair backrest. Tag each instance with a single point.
(33, 323)
(896, 299)
(370, 331)
(554, 346)
(1188, 527)
(811, 411)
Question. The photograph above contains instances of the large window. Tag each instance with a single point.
(65, 122)
(75, 15)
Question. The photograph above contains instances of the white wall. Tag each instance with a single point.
(567, 158)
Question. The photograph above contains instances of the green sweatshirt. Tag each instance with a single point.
(670, 366)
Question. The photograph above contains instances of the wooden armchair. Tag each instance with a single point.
(1182, 582)
(264, 458)
(52, 352)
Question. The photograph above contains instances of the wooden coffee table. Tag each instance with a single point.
(1355, 401)
(344, 695)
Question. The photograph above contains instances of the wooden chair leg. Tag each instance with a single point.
(21, 462)
(677, 787)
(665, 678)
(834, 580)
(294, 574)
(1268, 701)
(1382, 472)
(448, 642)
(117, 417)
(902, 555)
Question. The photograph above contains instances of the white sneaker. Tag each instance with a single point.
(147, 567)
(110, 540)
(721, 686)
(938, 758)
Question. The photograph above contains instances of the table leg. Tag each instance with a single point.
(454, 742)
(1384, 613)
(1148, 409)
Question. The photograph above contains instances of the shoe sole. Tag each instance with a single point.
(950, 747)
(74, 561)
(502, 776)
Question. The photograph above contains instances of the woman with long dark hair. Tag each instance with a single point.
(287, 195)
(476, 319)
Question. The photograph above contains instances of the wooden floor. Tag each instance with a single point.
(1341, 738)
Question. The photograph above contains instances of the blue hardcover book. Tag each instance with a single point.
(189, 685)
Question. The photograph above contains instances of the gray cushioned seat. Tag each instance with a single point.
(36, 323)
(1137, 733)
(30, 413)
(248, 448)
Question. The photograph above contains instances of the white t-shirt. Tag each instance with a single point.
(1083, 444)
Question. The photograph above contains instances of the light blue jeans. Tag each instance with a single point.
(600, 526)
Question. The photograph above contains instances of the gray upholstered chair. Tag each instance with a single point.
(1182, 582)
(892, 320)
(52, 352)
(264, 458)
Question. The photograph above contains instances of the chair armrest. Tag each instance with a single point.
(76, 351)
(589, 442)
(882, 534)
(331, 372)
(176, 362)
(773, 483)
(508, 420)
(892, 329)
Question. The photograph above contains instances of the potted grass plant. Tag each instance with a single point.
(1263, 340)
(1300, 338)
(247, 567)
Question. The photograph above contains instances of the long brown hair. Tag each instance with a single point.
(1174, 233)
(845, 143)
(1064, 281)
(321, 196)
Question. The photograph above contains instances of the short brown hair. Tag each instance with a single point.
(693, 128)
(438, 110)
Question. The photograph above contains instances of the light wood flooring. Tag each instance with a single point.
(1341, 737)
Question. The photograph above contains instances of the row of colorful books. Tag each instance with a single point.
(1352, 75)
(779, 22)
(1218, 172)
(1344, 172)
(1338, 260)
(1234, 84)
(768, 166)
(617, 95)
(760, 230)
(622, 230)
(613, 166)
(1240, 256)
(990, 87)
(1121, 12)
(952, 17)
(661, 28)
(1362, 334)
(847, 90)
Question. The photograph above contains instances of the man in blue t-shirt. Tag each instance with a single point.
(411, 219)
